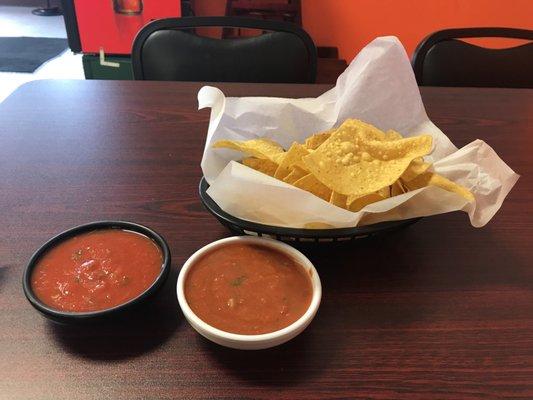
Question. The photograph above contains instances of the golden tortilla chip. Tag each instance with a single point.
(262, 165)
(397, 188)
(430, 178)
(417, 167)
(318, 225)
(260, 148)
(295, 174)
(392, 135)
(313, 141)
(301, 165)
(338, 199)
(311, 184)
(385, 192)
(363, 129)
(356, 203)
(370, 132)
(278, 158)
(352, 164)
(293, 155)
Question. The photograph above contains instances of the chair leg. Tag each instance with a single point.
(47, 11)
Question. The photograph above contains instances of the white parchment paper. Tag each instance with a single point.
(378, 87)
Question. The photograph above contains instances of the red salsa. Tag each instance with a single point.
(248, 289)
(96, 270)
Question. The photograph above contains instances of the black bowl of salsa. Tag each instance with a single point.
(97, 270)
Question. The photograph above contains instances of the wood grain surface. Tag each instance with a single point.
(440, 310)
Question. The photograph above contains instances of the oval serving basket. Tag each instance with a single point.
(243, 227)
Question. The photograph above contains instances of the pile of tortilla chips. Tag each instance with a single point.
(351, 166)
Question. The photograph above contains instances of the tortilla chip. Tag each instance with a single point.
(356, 203)
(259, 164)
(392, 135)
(363, 129)
(293, 155)
(311, 184)
(301, 165)
(430, 178)
(415, 168)
(397, 188)
(338, 199)
(385, 192)
(313, 141)
(352, 164)
(260, 148)
(370, 132)
(295, 174)
(318, 225)
(278, 158)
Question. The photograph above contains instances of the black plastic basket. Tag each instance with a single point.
(243, 227)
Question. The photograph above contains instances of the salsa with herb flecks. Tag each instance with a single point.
(96, 270)
(248, 289)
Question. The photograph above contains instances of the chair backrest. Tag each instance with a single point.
(168, 49)
(442, 60)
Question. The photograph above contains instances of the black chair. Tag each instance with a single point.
(442, 60)
(168, 49)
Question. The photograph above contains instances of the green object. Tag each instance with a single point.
(94, 70)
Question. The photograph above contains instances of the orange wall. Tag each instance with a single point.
(204, 8)
(351, 24)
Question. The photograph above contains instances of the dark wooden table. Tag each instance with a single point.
(439, 310)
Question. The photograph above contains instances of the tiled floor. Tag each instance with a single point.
(19, 21)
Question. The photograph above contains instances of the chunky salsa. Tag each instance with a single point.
(248, 289)
(96, 270)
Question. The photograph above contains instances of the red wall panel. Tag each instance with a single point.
(100, 26)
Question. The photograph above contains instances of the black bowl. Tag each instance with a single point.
(243, 227)
(67, 317)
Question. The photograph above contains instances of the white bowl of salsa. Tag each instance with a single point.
(249, 293)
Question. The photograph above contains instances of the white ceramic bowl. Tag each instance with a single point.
(251, 342)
